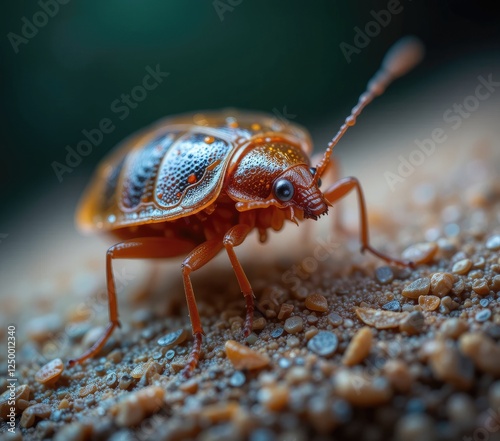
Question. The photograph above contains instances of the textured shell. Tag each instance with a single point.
(175, 168)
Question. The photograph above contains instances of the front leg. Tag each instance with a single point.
(340, 189)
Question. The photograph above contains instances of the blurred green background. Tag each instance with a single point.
(226, 53)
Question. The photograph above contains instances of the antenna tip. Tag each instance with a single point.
(403, 56)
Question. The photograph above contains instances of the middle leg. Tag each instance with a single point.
(234, 237)
(197, 258)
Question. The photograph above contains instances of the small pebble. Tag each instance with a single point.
(415, 427)
(450, 366)
(111, 379)
(316, 302)
(419, 287)
(420, 253)
(189, 386)
(135, 406)
(115, 356)
(484, 302)
(293, 325)
(238, 379)
(173, 339)
(384, 274)
(87, 390)
(483, 315)
(284, 363)
(285, 311)
(324, 343)
(441, 284)
(220, 412)
(63, 404)
(312, 319)
(252, 338)
(242, 357)
(73, 432)
(380, 319)
(398, 374)
(274, 398)
(361, 390)
(393, 305)
(413, 324)
(462, 267)
(359, 347)
(311, 332)
(29, 415)
(483, 350)
(461, 409)
(259, 324)
(297, 375)
(458, 287)
(495, 283)
(125, 381)
(429, 303)
(453, 328)
(480, 286)
(170, 354)
(50, 372)
(139, 369)
(334, 319)
(277, 332)
(493, 243)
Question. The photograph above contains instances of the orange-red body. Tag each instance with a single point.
(197, 175)
(197, 184)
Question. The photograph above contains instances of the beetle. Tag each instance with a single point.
(196, 184)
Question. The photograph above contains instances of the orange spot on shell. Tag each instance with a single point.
(209, 139)
(255, 126)
(192, 178)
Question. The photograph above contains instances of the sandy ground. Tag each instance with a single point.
(346, 345)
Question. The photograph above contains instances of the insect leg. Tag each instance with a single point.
(141, 248)
(201, 255)
(234, 237)
(341, 188)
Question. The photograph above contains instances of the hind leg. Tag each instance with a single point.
(140, 248)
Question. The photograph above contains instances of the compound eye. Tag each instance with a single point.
(313, 172)
(283, 190)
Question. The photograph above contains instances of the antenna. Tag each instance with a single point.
(402, 57)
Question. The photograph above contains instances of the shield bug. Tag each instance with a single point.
(197, 184)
